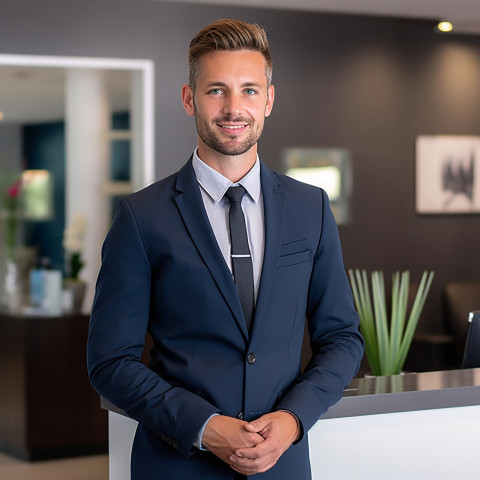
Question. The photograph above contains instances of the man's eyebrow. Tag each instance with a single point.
(223, 84)
(213, 83)
(252, 84)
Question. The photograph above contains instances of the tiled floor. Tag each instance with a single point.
(80, 468)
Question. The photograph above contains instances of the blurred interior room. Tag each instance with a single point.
(374, 103)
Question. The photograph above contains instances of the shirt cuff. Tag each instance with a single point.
(198, 441)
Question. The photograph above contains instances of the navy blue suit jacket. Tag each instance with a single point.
(162, 271)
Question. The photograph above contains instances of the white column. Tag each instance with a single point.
(88, 120)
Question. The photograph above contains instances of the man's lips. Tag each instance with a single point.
(233, 128)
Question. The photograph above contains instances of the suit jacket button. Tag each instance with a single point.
(175, 444)
(240, 416)
(251, 358)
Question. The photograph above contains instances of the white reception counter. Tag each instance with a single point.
(417, 426)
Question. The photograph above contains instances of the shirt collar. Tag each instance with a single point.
(215, 184)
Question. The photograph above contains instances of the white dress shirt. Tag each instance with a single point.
(213, 188)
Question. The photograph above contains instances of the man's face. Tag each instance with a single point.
(230, 102)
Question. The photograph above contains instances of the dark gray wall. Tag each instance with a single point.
(10, 147)
(369, 84)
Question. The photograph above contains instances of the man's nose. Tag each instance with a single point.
(233, 105)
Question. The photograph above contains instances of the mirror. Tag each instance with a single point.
(89, 122)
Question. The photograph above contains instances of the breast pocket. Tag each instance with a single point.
(293, 253)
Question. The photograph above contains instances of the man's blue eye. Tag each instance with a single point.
(250, 91)
(215, 91)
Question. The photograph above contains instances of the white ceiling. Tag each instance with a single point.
(464, 14)
(37, 94)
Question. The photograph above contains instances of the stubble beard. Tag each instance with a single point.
(230, 147)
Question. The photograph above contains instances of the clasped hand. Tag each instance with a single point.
(252, 447)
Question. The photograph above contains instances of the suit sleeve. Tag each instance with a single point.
(337, 346)
(116, 340)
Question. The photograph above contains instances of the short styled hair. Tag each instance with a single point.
(228, 34)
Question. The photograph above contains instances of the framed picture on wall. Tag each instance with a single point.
(328, 168)
(447, 174)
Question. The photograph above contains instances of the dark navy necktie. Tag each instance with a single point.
(240, 252)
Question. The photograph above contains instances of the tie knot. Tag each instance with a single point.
(235, 194)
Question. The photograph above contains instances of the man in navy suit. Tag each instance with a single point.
(222, 399)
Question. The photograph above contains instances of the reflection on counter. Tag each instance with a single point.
(414, 382)
(409, 392)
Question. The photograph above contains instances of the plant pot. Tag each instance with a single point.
(76, 291)
(385, 383)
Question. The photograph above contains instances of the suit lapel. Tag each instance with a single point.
(190, 204)
(274, 204)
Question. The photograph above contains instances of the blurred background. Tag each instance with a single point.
(358, 81)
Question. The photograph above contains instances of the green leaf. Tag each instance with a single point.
(417, 307)
(381, 325)
(361, 296)
(387, 344)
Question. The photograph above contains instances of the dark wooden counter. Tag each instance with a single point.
(47, 407)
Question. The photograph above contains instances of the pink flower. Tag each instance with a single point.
(14, 190)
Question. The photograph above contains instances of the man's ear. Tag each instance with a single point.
(187, 100)
(270, 100)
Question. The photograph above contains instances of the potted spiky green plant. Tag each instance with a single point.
(387, 342)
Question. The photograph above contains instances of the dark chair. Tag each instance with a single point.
(460, 299)
(471, 355)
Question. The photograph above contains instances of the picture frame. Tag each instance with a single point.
(327, 168)
(447, 174)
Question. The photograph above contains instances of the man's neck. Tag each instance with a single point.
(233, 167)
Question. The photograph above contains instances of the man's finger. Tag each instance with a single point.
(258, 425)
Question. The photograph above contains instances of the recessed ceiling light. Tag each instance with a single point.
(445, 27)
